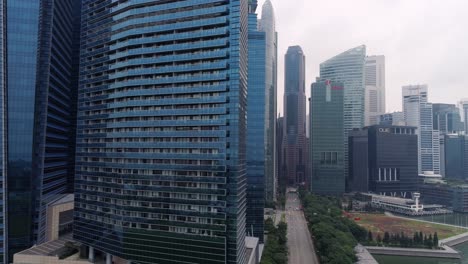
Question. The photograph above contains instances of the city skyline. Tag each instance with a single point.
(344, 29)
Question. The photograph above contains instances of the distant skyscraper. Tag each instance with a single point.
(267, 24)
(42, 46)
(418, 112)
(3, 136)
(348, 68)
(282, 181)
(395, 119)
(383, 160)
(326, 138)
(294, 139)
(261, 116)
(454, 156)
(375, 89)
(464, 114)
(161, 141)
(446, 118)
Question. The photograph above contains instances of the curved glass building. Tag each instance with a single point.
(348, 68)
(161, 173)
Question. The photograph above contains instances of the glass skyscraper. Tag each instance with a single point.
(294, 154)
(161, 132)
(261, 117)
(256, 128)
(55, 106)
(3, 142)
(348, 68)
(42, 73)
(267, 24)
(22, 46)
(327, 137)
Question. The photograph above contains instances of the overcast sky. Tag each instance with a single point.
(424, 41)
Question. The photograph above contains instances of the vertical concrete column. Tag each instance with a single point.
(108, 258)
(91, 254)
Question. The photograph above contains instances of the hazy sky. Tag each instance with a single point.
(424, 41)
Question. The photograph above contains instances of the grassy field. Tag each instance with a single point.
(380, 223)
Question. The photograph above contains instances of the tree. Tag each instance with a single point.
(379, 238)
(350, 205)
(429, 241)
(386, 238)
(436, 240)
(416, 238)
(370, 238)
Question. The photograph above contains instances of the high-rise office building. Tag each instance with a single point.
(3, 136)
(22, 44)
(349, 68)
(42, 48)
(392, 119)
(294, 154)
(326, 138)
(55, 106)
(418, 113)
(282, 182)
(261, 116)
(375, 89)
(453, 153)
(383, 160)
(267, 24)
(464, 114)
(161, 133)
(446, 118)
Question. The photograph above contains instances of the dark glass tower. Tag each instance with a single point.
(384, 160)
(161, 132)
(256, 128)
(454, 156)
(261, 116)
(55, 106)
(42, 73)
(327, 137)
(22, 45)
(3, 135)
(294, 133)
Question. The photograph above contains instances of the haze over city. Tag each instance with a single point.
(424, 41)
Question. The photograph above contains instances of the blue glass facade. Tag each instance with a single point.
(454, 156)
(161, 132)
(55, 105)
(42, 75)
(256, 129)
(22, 44)
(3, 142)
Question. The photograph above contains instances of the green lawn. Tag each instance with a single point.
(380, 223)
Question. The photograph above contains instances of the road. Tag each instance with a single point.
(301, 248)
